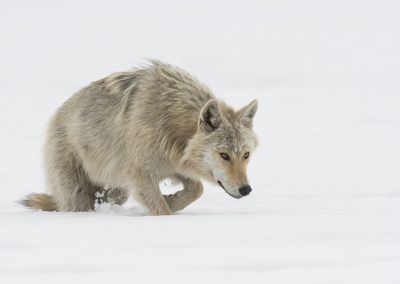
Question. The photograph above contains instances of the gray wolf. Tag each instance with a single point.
(125, 133)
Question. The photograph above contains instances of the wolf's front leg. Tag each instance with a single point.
(148, 193)
(192, 190)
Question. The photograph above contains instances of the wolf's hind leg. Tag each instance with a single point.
(70, 186)
(192, 190)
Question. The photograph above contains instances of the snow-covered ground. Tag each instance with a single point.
(326, 201)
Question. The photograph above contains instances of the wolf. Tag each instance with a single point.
(122, 135)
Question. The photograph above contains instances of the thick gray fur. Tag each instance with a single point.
(123, 134)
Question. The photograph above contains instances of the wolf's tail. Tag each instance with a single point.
(39, 201)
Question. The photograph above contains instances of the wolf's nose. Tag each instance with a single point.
(245, 190)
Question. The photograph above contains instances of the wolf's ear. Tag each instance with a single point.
(210, 116)
(247, 113)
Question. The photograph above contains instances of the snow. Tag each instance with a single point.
(326, 177)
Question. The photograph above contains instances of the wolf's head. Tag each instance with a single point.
(222, 146)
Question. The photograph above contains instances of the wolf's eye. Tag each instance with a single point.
(225, 156)
(246, 155)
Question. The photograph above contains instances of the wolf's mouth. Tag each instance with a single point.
(220, 184)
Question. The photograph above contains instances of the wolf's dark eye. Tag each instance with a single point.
(225, 156)
(246, 155)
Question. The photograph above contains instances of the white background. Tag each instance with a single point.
(326, 177)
